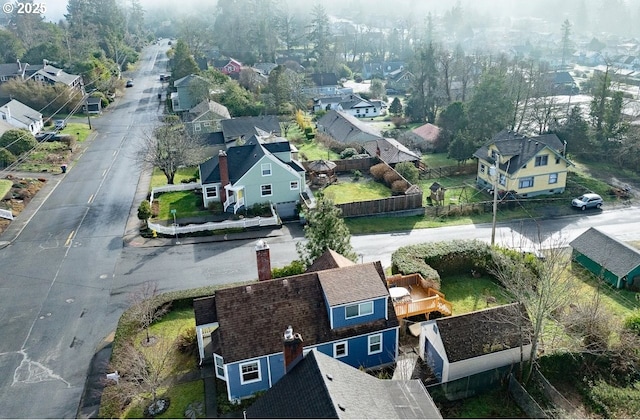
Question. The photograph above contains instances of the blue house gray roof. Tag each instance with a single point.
(608, 252)
(322, 387)
(239, 160)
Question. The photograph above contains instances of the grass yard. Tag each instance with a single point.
(438, 160)
(348, 192)
(80, 130)
(158, 179)
(311, 150)
(46, 158)
(185, 203)
(468, 294)
(5, 186)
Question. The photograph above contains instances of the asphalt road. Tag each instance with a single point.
(67, 277)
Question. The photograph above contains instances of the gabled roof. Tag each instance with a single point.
(330, 259)
(428, 132)
(213, 139)
(344, 127)
(390, 151)
(610, 253)
(482, 332)
(21, 112)
(520, 149)
(247, 126)
(207, 105)
(252, 318)
(320, 386)
(57, 75)
(187, 80)
(340, 287)
(324, 79)
(239, 160)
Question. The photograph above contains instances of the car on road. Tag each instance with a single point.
(587, 201)
(129, 83)
(60, 124)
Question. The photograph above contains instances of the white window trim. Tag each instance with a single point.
(196, 127)
(217, 359)
(241, 365)
(214, 188)
(369, 344)
(553, 174)
(265, 167)
(360, 312)
(297, 187)
(335, 349)
(527, 179)
(539, 158)
(262, 194)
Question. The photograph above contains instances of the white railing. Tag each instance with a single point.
(273, 220)
(177, 187)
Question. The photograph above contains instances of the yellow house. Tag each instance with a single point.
(528, 166)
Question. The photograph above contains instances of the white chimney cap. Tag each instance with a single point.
(288, 333)
(261, 244)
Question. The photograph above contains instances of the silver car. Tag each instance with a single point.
(587, 201)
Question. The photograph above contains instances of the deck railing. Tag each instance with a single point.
(423, 300)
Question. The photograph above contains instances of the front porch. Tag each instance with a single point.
(412, 296)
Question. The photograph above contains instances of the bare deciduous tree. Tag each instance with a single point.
(144, 306)
(537, 283)
(168, 148)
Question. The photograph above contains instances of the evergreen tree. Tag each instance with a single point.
(183, 63)
(325, 230)
(396, 106)
(452, 120)
(461, 147)
(491, 107)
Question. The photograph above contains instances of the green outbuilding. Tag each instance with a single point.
(608, 258)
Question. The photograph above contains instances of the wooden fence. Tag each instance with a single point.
(383, 205)
(444, 171)
(362, 165)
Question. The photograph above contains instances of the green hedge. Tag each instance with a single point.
(436, 259)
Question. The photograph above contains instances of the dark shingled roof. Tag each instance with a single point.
(322, 387)
(239, 160)
(615, 256)
(246, 126)
(205, 310)
(330, 259)
(521, 149)
(252, 318)
(353, 283)
(324, 79)
(486, 331)
(390, 151)
(346, 128)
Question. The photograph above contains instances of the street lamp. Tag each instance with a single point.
(494, 171)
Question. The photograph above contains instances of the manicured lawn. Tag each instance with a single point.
(349, 192)
(5, 186)
(186, 204)
(468, 294)
(438, 160)
(311, 150)
(158, 179)
(80, 130)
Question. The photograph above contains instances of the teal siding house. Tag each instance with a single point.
(188, 89)
(342, 310)
(261, 170)
(608, 258)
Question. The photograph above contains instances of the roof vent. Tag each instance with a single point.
(248, 289)
(285, 283)
(329, 376)
(342, 407)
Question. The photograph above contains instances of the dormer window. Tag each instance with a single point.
(360, 309)
(542, 160)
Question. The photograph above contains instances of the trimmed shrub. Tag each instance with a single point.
(399, 186)
(296, 267)
(408, 171)
(188, 341)
(6, 157)
(632, 322)
(378, 171)
(391, 176)
(348, 152)
(18, 141)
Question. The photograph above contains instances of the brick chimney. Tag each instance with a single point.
(264, 260)
(292, 349)
(224, 174)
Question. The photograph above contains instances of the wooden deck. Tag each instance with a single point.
(423, 300)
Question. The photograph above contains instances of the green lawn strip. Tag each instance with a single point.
(468, 294)
(180, 396)
(349, 192)
(311, 150)
(158, 178)
(185, 203)
(5, 187)
(438, 160)
(490, 405)
(80, 130)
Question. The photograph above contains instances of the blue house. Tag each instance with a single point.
(337, 307)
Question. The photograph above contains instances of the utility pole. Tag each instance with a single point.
(496, 174)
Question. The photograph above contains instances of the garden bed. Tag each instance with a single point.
(20, 193)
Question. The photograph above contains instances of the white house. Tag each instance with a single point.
(19, 115)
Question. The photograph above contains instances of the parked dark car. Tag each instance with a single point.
(129, 83)
(48, 136)
(587, 201)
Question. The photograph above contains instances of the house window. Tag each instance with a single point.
(482, 168)
(219, 361)
(211, 192)
(358, 111)
(196, 127)
(375, 344)
(266, 169)
(553, 178)
(557, 161)
(294, 185)
(250, 372)
(265, 190)
(207, 124)
(526, 182)
(360, 309)
(542, 160)
(503, 180)
(340, 349)
(366, 111)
